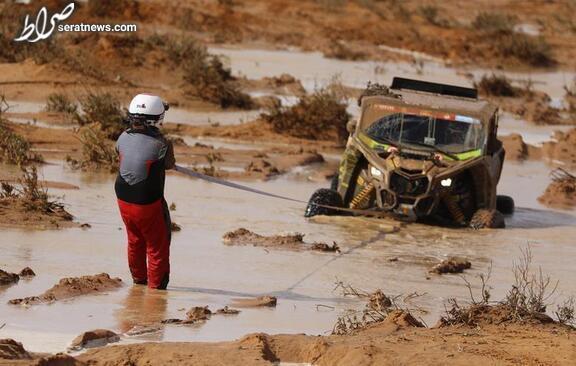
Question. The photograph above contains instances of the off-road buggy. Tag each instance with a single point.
(424, 151)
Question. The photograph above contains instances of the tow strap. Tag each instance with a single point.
(194, 174)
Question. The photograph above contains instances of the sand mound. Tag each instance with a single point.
(94, 338)
(194, 315)
(517, 149)
(482, 315)
(289, 242)
(7, 278)
(27, 272)
(72, 287)
(270, 301)
(451, 265)
(12, 350)
(227, 311)
(561, 192)
(563, 149)
(403, 319)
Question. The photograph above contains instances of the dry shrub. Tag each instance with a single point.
(530, 50)
(14, 149)
(526, 301)
(498, 86)
(534, 51)
(97, 150)
(32, 195)
(61, 103)
(531, 291)
(378, 307)
(210, 170)
(373, 89)
(205, 74)
(431, 14)
(494, 22)
(341, 51)
(319, 116)
(113, 8)
(570, 96)
(40, 52)
(565, 313)
(105, 109)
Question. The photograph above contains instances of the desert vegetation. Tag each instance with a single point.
(319, 116)
(498, 86)
(97, 150)
(206, 74)
(509, 43)
(14, 149)
(28, 195)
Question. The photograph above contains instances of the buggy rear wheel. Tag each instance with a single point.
(487, 219)
(327, 197)
(505, 204)
(334, 182)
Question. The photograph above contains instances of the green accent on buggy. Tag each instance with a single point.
(372, 144)
(466, 155)
(346, 168)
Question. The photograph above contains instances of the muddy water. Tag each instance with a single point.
(206, 272)
(314, 70)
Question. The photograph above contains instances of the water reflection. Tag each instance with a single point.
(143, 307)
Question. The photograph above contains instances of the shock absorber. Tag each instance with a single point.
(362, 196)
(451, 203)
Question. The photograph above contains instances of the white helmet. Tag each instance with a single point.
(147, 109)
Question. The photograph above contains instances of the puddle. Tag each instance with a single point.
(199, 117)
(206, 272)
(25, 107)
(218, 143)
(314, 70)
(38, 123)
(531, 133)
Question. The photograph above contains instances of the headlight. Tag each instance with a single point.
(375, 172)
(446, 182)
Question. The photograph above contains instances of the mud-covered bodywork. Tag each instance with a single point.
(423, 154)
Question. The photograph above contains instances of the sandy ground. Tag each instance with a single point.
(395, 341)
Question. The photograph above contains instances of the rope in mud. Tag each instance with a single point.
(194, 174)
(379, 236)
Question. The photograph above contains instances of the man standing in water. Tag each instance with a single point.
(145, 154)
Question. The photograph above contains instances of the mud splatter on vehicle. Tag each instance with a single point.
(422, 150)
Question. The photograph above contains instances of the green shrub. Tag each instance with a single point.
(320, 116)
(534, 51)
(431, 14)
(494, 22)
(205, 74)
(97, 150)
(497, 85)
(15, 149)
(105, 109)
(61, 103)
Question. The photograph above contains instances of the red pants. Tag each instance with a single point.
(148, 229)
